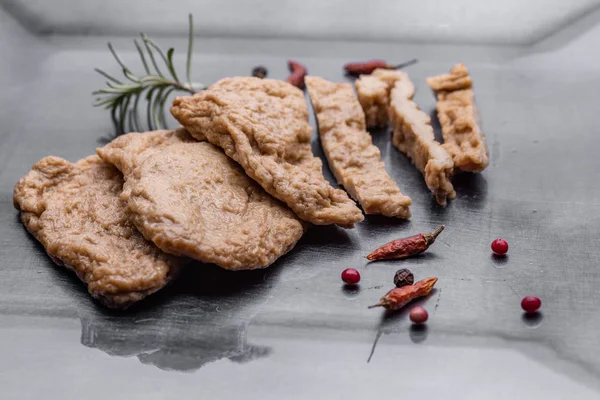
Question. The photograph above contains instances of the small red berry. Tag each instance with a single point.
(531, 304)
(350, 276)
(500, 247)
(418, 315)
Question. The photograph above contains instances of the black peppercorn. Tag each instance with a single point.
(259, 72)
(403, 277)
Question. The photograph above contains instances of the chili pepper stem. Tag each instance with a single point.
(380, 304)
(403, 65)
(430, 237)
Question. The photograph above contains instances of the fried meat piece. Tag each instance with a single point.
(374, 94)
(353, 158)
(263, 125)
(190, 199)
(457, 113)
(74, 210)
(413, 135)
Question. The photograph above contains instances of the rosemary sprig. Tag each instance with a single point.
(123, 98)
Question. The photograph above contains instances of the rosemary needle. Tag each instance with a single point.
(122, 98)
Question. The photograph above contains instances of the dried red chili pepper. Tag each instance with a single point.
(298, 72)
(365, 68)
(399, 297)
(405, 247)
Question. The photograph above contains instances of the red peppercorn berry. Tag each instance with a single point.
(350, 276)
(418, 315)
(531, 304)
(500, 247)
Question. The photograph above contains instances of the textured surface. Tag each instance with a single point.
(75, 211)
(374, 97)
(263, 125)
(190, 199)
(373, 92)
(413, 135)
(353, 158)
(292, 331)
(456, 111)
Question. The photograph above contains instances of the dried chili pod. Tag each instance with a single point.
(298, 72)
(405, 247)
(403, 277)
(365, 68)
(397, 298)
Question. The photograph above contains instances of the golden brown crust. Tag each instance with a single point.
(373, 96)
(263, 125)
(457, 113)
(457, 79)
(352, 157)
(190, 199)
(413, 135)
(373, 93)
(74, 210)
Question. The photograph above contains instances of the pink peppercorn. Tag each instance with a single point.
(500, 247)
(350, 276)
(418, 315)
(531, 304)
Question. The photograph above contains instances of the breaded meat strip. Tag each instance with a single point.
(352, 156)
(457, 113)
(413, 135)
(374, 94)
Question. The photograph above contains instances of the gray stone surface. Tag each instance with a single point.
(293, 331)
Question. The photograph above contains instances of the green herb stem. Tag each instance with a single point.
(123, 99)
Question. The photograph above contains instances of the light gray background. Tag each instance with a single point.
(507, 22)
